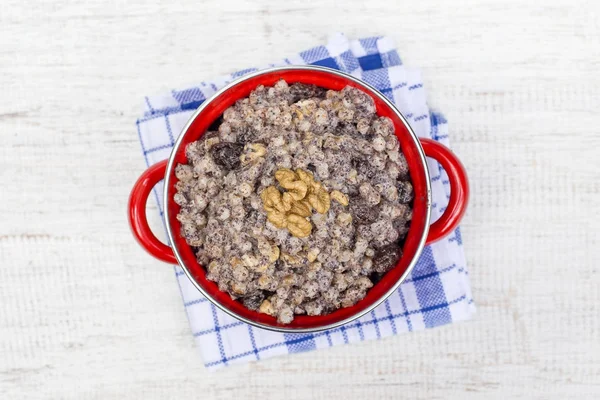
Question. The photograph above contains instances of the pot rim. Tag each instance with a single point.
(372, 92)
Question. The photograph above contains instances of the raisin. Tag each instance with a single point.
(215, 125)
(301, 91)
(375, 277)
(405, 192)
(362, 213)
(386, 258)
(253, 301)
(227, 154)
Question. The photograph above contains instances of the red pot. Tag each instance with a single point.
(414, 149)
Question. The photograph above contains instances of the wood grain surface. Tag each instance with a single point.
(86, 314)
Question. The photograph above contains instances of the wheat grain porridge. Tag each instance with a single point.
(297, 201)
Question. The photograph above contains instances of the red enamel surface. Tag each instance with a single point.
(408, 145)
(137, 213)
(459, 189)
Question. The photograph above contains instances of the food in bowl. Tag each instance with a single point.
(297, 200)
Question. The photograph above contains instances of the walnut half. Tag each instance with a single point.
(252, 152)
(298, 226)
(339, 197)
(278, 219)
(272, 200)
(289, 180)
(301, 208)
(320, 201)
(290, 209)
(297, 189)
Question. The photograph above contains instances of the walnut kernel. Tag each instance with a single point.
(298, 226)
(339, 197)
(320, 201)
(252, 152)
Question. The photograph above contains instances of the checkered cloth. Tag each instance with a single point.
(436, 293)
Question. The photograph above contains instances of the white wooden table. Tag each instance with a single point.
(86, 314)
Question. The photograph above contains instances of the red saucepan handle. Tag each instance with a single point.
(137, 213)
(459, 189)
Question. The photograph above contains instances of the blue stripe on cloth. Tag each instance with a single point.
(139, 132)
(430, 291)
(164, 111)
(329, 341)
(377, 331)
(253, 342)
(388, 309)
(169, 130)
(347, 62)
(188, 95)
(344, 333)
(407, 314)
(437, 119)
(371, 61)
(359, 326)
(327, 62)
(243, 72)
(240, 355)
(194, 302)
(457, 237)
(299, 343)
(217, 329)
(429, 274)
(315, 54)
(147, 99)
(381, 80)
(370, 44)
(436, 316)
(192, 105)
(390, 59)
(378, 78)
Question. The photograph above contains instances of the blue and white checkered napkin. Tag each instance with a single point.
(436, 293)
